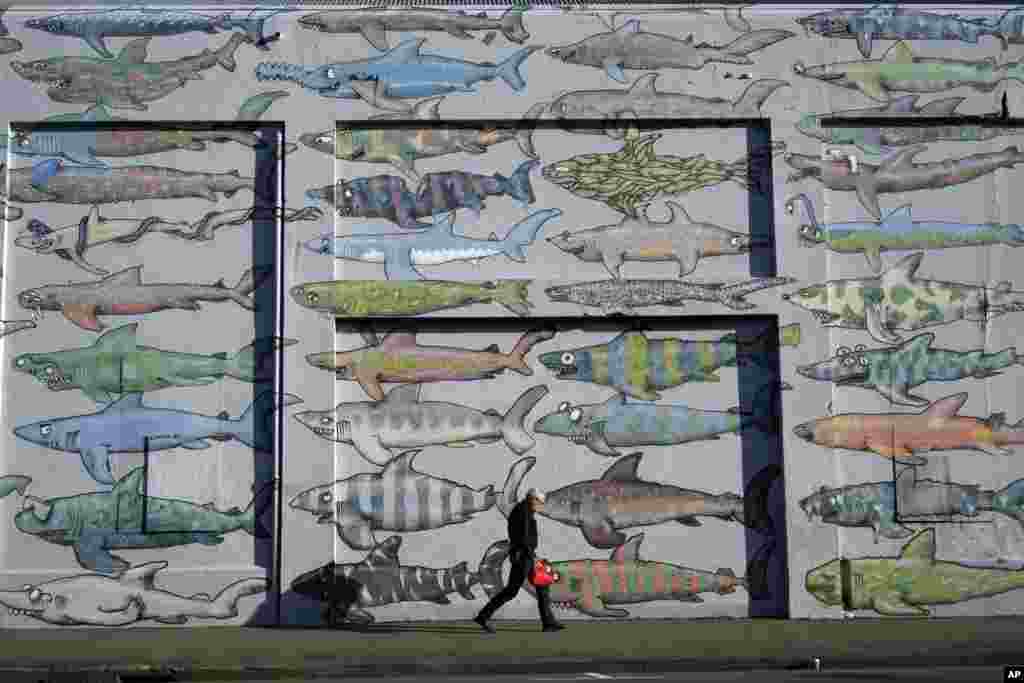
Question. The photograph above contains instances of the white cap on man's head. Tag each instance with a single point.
(536, 495)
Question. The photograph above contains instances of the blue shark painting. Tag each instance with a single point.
(402, 252)
(125, 425)
(404, 71)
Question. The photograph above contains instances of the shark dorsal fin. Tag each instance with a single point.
(628, 551)
(386, 553)
(644, 85)
(120, 340)
(900, 52)
(624, 468)
(129, 277)
(902, 105)
(918, 345)
(673, 208)
(143, 575)
(97, 112)
(946, 106)
(902, 214)
(404, 393)
(400, 465)
(947, 407)
(920, 547)
(902, 159)
(398, 340)
(129, 487)
(406, 51)
(135, 52)
(127, 402)
(907, 266)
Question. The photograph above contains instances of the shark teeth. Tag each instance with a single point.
(19, 612)
(823, 316)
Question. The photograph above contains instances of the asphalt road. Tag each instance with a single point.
(903, 675)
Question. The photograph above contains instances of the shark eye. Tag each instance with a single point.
(860, 348)
(863, 361)
(843, 351)
(735, 241)
(563, 406)
(21, 362)
(45, 429)
(330, 72)
(568, 358)
(50, 370)
(575, 414)
(325, 420)
(326, 497)
(324, 139)
(35, 595)
(347, 193)
(312, 297)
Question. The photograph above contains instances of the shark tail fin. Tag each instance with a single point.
(247, 284)
(489, 571)
(517, 357)
(513, 295)
(512, 428)
(254, 426)
(225, 604)
(512, 25)
(756, 580)
(518, 184)
(509, 495)
(259, 504)
(508, 70)
(755, 500)
(1008, 501)
(734, 295)
(525, 232)
(256, 106)
(255, 362)
(754, 41)
(463, 580)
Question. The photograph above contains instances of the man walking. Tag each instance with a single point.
(522, 536)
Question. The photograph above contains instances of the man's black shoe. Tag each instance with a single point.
(553, 627)
(484, 625)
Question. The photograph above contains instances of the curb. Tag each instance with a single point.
(456, 666)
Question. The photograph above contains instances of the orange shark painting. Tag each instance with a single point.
(905, 436)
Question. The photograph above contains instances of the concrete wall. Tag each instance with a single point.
(208, 550)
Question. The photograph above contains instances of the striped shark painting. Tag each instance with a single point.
(397, 499)
(379, 579)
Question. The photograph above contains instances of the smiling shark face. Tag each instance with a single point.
(53, 71)
(319, 501)
(849, 367)
(833, 24)
(50, 520)
(44, 298)
(582, 245)
(333, 425)
(816, 300)
(45, 370)
(825, 583)
(37, 603)
(572, 363)
(60, 435)
(573, 423)
(321, 142)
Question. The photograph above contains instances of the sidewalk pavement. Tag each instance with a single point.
(452, 648)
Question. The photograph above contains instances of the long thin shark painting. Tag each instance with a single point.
(95, 27)
(897, 231)
(401, 253)
(128, 426)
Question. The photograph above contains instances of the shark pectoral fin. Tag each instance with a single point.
(687, 259)
(876, 327)
(96, 43)
(864, 43)
(887, 528)
(897, 393)
(96, 460)
(612, 259)
(209, 539)
(892, 605)
(874, 257)
(470, 147)
(355, 532)
(597, 608)
(901, 454)
(197, 445)
(613, 67)
(992, 449)
(370, 447)
(399, 266)
(376, 34)
(599, 444)
(91, 554)
(97, 394)
(83, 315)
(689, 521)
(371, 385)
(603, 535)
(873, 88)
(639, 393)
(867, 193)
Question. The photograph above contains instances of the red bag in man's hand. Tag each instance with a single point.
(542, 574)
